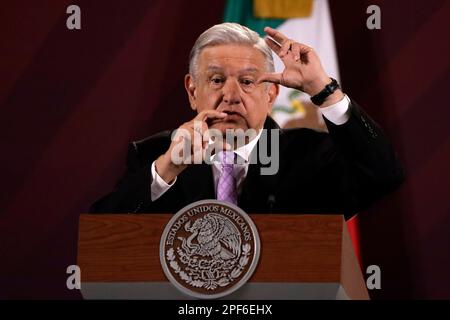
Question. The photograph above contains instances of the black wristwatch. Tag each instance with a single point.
(319, 98)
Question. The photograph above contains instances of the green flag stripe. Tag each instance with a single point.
(241, 11)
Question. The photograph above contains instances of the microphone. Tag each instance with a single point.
(271, 201)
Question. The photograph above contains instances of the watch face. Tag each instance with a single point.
(209, 249)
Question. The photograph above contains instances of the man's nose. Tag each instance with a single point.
(231, 92)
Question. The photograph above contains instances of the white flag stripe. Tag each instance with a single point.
(317, 32)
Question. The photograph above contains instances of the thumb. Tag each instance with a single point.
(270, 77)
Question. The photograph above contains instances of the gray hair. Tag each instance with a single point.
(229, 33)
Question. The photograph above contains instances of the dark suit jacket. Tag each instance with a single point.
(341, 172)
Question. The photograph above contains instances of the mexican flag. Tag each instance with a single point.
(305, 21)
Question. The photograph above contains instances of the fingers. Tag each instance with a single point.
(201, 130)
(189, 145)
(273, 45)
(198, 126)
(285, 48)
(277, 35)
(300, 51)
(295, 49)
(282, 45)
(201, 118)
(210, 114)
(296, 52)
(271, 77)
(192, 138)
(193, 142)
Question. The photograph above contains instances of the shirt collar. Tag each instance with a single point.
(243, 151)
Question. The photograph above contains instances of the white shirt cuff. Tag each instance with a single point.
(337, 113)
(159, 186)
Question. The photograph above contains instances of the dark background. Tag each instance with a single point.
(72, 100)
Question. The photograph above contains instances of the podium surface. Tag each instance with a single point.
(302, 257)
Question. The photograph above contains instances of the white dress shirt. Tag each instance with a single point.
(336, 113)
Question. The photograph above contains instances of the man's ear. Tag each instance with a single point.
(189, 84)
(272, 94)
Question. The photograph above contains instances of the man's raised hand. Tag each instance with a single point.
(303, 70)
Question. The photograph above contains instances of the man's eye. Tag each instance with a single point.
(247, 82)
(216, 80)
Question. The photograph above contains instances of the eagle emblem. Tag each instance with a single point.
(209, 249)
(212, 236)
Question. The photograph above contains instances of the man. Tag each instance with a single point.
(232, 87)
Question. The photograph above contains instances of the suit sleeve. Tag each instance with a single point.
(367, 157)
(132, 192)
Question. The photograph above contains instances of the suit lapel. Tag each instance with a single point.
(258, 189)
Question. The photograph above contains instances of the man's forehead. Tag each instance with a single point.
(246, 58)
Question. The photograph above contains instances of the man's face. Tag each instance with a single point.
(226, 81)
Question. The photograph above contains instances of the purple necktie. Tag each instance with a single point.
(226, 188)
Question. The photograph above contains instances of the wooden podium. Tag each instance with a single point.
(302, 257)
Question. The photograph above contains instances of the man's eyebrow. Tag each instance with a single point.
(246, 70)
(214, 68)
(249, 70)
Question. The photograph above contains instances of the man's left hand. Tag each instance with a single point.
(303, 70)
